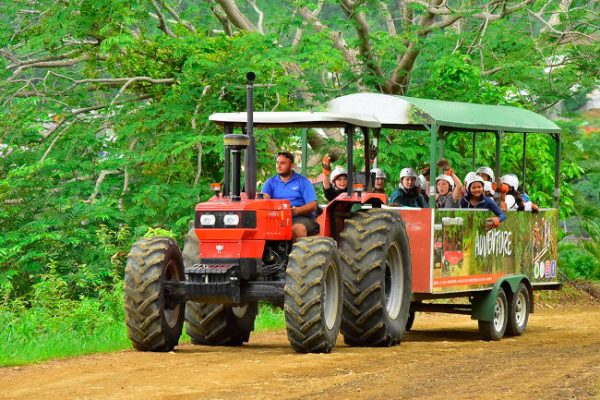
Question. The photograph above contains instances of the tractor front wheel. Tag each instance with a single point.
(154, 318)
(220, 324)
(215, 324)
(313, 295)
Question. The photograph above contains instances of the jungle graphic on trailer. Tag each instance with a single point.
(467, 256)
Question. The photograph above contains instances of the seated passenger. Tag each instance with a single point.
(448, 187)
(407, 195)
(379, 182)
(422, 186)
(488, 189)
(486, 173)
(476, 199)
(336, 184)
(514, 199)
(470, 175)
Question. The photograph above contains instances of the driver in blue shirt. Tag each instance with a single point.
(289, 185)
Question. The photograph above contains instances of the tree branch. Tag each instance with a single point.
(101, 177)
(126, 179)
(162, 22)
(336, 37)
(177, 17)
(387, 15)
(261, 16)
(362, 30)
(48, 64)
(235, 16)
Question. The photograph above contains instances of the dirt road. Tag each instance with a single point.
(557, 358)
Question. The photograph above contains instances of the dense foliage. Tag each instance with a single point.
(103, 126)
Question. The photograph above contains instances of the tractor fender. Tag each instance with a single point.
(483, 305)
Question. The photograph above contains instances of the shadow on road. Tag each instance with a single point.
(443, 335)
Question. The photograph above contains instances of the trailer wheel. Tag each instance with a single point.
(518, 311)
(494, 329)
(215, 324)
(376, 265)
(220, 324)
(154, 319)
(313, 295)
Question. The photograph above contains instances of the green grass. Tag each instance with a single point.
(269, 319)
(71, 328)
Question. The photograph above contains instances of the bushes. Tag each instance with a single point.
(577, 263)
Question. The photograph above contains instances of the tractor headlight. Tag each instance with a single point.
(231, 219)
(207, 219)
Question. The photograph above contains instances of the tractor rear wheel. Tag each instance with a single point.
(154, 319)
(313, 295)
(215, 324)
(376, 265)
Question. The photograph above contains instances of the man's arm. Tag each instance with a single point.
(306, 209)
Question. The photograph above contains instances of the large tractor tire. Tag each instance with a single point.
(215, 324)
(220, 324)
(376, 266)
(313, 295)
(154, 320)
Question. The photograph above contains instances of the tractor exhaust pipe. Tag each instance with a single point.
(250, 159)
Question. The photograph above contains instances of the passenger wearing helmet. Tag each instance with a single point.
(488, 189)
(475, 198)
(336, 184)
(448, 187)
(378, 180)
(422, 185)
(515, 200)
(407, 194)
(486, 173)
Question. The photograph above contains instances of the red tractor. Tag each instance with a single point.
(354, 276)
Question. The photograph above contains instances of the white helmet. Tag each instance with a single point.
(511, 180)
(337, 171)
(488, 171)
(470, 175)
(408, 172)
(379, 173)
(472, 180)
(447, 179)
(423, 182)
(487, 187)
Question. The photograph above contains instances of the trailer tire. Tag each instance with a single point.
(154, 320)
(495, 329)
(313, 295)
(518, 311)
(215, 324)
(376, 265)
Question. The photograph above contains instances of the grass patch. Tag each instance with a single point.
(61, 329)
(66, 328)
(269, 318)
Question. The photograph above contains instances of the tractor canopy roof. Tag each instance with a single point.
(413, 113)
(294, 119)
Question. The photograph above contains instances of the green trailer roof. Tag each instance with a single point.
(410, 112)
